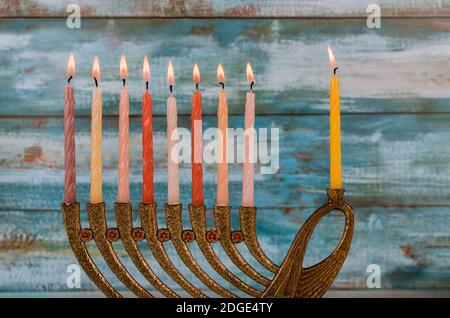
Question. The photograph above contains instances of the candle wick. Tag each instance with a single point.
(96, 82)
(223, 84)
(68, 80)
(170, 88)
(335, 69)
(196, 86)
(124, 80)
(251, 85)
(146, 85)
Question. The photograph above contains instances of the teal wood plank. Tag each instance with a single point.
(216, 8)
(398, 68)
(387, 161)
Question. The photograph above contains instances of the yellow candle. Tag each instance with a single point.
(96, 138)
(335, 128)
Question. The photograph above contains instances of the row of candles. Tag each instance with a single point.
(173, 196)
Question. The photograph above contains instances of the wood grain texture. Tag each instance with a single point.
(402, 67)
(387, 161)
(396, 146)
(219, 8)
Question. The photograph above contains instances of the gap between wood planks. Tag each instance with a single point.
(223, 17)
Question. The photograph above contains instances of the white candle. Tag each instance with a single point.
(222, 165)
(173, 192)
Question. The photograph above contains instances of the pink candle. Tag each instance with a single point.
(69, 137)
(248, 199)
(222, 165)
(124, 174)
(173, 192)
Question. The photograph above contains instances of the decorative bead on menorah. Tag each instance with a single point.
(290, 278)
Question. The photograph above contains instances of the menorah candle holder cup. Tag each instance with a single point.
(290, 279)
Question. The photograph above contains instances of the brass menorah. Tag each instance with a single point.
(290, 279)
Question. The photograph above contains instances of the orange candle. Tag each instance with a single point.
(148, 195)
(196, 145)
(335, 127)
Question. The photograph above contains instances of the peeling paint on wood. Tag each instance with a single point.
(399, 68)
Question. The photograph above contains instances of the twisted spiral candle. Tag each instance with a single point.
(248, 169)
(69, 146)
(124, 174)
(96, 147)
(335, 135)
(147, 149)
(173, 192)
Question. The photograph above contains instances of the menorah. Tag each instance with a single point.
(290, 279)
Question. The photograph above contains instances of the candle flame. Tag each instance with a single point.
(220, 74)
(196, 74)
(146, 70)
(71, 65)
(331, 58)
(170, 75)
(250, 77)
(123, 67)
(96, 68)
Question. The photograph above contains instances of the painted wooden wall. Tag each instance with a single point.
(395, 102)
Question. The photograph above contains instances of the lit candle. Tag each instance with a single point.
(335, 127)
(147, 139)
(248, 199)
(222, 165)
(96, 137)
(173, 192)
(124, 173)
(196, 126)
(69, 136)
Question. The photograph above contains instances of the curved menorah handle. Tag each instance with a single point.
(71, 216)
(223, 226)
(124, 221)
(292, 279)
(150, 226)
(175, 227)
(198, 222)
(248, 226)
(103, 237)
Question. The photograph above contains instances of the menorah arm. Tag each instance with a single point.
(71, 216)
(150, 226)
(292, 279)
(248, 226)
(198, 221)
(223, 226)
(97, 221)
(124, 221)
(175, 227)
